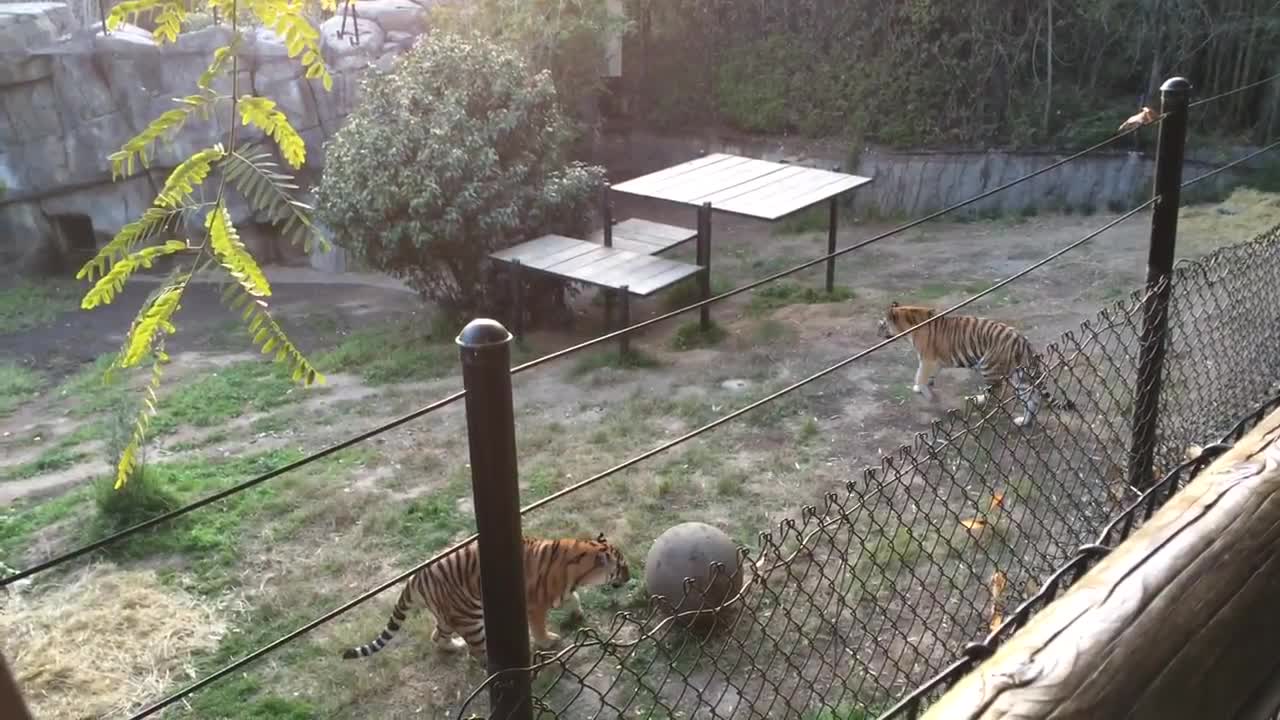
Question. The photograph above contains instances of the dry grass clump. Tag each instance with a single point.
(104, 643)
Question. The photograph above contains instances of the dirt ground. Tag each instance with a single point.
(308, 541)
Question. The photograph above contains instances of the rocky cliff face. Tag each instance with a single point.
(70, 99)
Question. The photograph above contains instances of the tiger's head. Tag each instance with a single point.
(609, 567)
(901, 317)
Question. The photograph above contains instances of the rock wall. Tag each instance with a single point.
(914, 183)
(70, 99)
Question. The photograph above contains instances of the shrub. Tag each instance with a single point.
(460, 151)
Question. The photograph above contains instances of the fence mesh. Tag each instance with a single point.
(845, 609)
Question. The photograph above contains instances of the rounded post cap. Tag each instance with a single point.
(1177, 84)
(483, 332)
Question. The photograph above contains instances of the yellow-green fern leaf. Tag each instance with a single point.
(220, 58)
(263, 114)
(136, 148)
(187, 177)
(289, 22)
(268, 190)
(128, 460)
(168, 21)
(271, 338)
(113, 282)
(154, 320)
(233, 255)
(152, 222)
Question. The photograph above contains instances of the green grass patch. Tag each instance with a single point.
(392, 353)
(53, 459)
(209, 539)
(226, 394)
(91, 392)
(29, 305)
(782, 294)
(17, 385)
(20, 523)
(690, 336)
(241, 696)
(633, 359)
(687, 292)
(812, 220)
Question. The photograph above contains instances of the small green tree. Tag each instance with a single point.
(460, 151)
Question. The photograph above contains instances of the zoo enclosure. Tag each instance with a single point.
(868, 540)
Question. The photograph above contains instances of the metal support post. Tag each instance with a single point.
(485, 347)
(832, 224)
(624, 341)
(1170, 148)
(704, 262)
(606, 215)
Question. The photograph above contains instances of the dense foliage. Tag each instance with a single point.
(459, 151)
(936, 72)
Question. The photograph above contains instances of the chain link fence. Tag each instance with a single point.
(849, 607)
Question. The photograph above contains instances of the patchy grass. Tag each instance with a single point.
(28, 305)
(396, 352)
(631, 360)
(226, 394)
(21, 522)
(1242, 216)
(811, 220)
(769, 331)
(51, 460)
(687, 292)
(690, 336)
(783, 293)
(929, 292)
(242, 697)
(91, 393)
(17, 385)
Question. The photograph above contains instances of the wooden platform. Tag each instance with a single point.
(592, 263)
(646, 237)
(743, 186)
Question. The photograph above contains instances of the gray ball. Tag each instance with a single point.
(687, 551)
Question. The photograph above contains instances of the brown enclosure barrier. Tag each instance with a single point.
(1179, 621)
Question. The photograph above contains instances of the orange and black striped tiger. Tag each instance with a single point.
(994, 350)
(450, 589)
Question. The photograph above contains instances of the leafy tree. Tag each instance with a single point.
(460, 151)
(237, 168)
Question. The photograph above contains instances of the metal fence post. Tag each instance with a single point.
(832, 224)
(624, 342)
(1170, 148)
(485, 347)
(517, 299)
(606, 215)
(11, 704)
(704, 261)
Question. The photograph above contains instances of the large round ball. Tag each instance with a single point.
(687, 551)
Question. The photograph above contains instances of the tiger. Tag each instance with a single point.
(993, 349)
(450, 589)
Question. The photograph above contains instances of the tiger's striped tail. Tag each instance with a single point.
(403, 605)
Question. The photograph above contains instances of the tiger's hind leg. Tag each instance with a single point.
(446, 639)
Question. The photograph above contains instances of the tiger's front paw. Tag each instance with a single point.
(551, 640)
(923, 391)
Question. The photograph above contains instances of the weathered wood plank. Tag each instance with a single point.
(679, 271)
(1178, 622)
(631, 273)
(597, 272)
(598, 254)
(646, 237)
(771, 203)
(578, 249)
(646, 183)
(725, 194)
(534, 248)
(689, 187)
